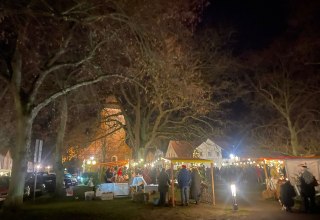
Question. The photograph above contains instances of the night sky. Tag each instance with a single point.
(257, 25)
(256, 22)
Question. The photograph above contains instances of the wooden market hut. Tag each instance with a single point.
(173, 161)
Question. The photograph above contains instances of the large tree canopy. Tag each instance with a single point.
(174, 100)
(51, 48)
(43, 43)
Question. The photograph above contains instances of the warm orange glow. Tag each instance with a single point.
(103, 148)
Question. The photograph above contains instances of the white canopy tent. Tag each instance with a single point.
(294, 169)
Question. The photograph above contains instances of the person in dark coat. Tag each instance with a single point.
(195, 185)
(308, 192)
(286, 195)
(109, 176)
(163, 187)
(184, 180)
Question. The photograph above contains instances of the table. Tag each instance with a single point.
(151, 188)
(118, 189)
(137, 181)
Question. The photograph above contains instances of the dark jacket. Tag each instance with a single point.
(286, 194)
(108, 177)
(163, 181)
(195, 184)
(308, 190)
(184, 178)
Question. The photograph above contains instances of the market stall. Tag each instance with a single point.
(277, 168)
(175, 161)
(294, 169)
(103, 167)
(119, 186)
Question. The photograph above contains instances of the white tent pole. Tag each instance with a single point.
(212, 184)
(266, 174)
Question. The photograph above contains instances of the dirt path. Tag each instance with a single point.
(263, 210)
(251, 206)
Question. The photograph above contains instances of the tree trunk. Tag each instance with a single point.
(103, 159)
(142, 153)
(19, 165)
(293, 138)
(59, 192)
(24, 127)
(104, 150)
(137, 134)
(294, 142)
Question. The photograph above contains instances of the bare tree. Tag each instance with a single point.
(291, 98)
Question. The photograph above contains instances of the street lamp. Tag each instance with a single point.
(91, 162)
(234, 196)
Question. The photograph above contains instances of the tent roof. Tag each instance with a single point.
(279, 157)
(189, 160)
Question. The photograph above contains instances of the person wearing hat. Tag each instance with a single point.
(184, 180)
(307, 184)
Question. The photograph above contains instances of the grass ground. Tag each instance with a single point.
(251, 206)
(78, 210)
(68, 208)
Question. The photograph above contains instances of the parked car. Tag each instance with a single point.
(40, 184)
(49, 179)
(4, 188)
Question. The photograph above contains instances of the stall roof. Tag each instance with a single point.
(284, 157)
(114, 163)
(189, 160)
(261, 154)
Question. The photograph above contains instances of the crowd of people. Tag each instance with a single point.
(190, 181)
(116, 174)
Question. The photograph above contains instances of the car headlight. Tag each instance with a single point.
(27, 191)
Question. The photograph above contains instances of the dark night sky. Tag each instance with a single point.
(256, 22)
(259, 23)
